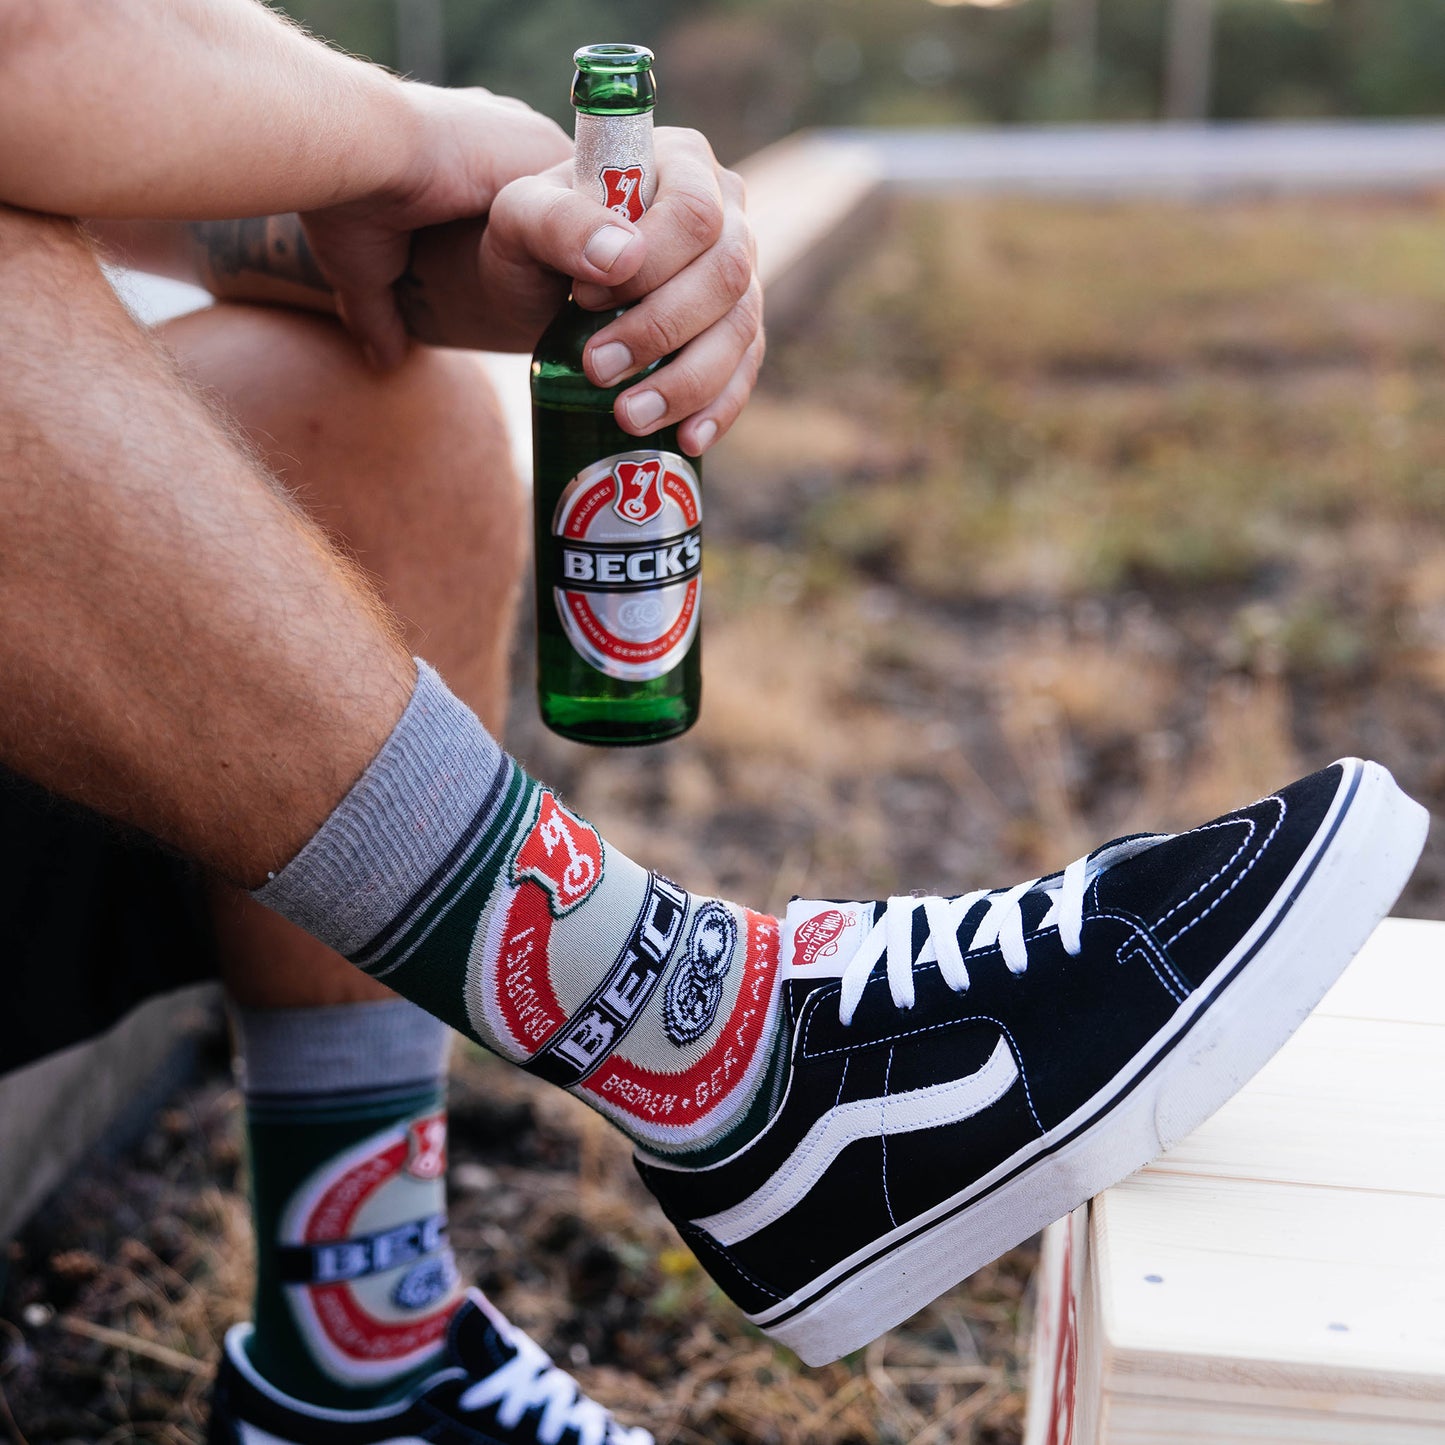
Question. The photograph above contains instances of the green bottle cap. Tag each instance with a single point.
(614, 80)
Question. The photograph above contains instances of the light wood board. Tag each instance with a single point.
(1280, 1275)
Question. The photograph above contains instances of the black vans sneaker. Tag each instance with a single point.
(494, 1387)
(962, 1071)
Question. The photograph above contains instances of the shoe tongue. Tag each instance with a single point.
(479, 1335)
(821, 935)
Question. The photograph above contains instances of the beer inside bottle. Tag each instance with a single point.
(617, 518)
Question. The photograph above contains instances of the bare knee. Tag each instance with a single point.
(66, 342)
(28, 234)
(411, 469)
(300, 383)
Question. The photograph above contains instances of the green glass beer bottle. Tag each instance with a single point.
(617, 518)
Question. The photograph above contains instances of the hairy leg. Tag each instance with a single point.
(182, 648)
(411, 472)
(215, 676)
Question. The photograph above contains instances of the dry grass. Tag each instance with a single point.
(118, 1309)
(1047, 288)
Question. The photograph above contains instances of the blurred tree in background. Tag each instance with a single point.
(749, 71)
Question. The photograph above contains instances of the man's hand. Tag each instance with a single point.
(685, 271)
(202, 110)
(466, 146)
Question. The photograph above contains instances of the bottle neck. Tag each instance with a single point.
(614, 162)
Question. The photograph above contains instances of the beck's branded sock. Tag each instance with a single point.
(471, 889)
(346, 1118)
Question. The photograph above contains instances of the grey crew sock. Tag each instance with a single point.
(429, 789)
(339, 1047)
(346, 1123)
(475, 892)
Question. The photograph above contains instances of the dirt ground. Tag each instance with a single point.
(1048, 523)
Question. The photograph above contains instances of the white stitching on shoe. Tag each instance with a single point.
(928, 1029)
(706, 1238)
(1249, 827)
(821, 995)
(1174, 985)
(842, 1080)
(1244, 872)
(883, 1132)
(1136, 951)
(1023, 1077)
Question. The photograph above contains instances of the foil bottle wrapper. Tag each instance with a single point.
(614, 143)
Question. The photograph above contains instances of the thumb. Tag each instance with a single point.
(541, 220)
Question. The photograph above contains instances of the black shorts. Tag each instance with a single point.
(94, 919)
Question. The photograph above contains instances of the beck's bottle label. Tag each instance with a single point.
(627, 562)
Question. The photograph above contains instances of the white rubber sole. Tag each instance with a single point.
(1362, 856)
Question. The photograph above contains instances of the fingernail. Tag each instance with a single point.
(611, 361)
(591, 297)
(644, 407)
(606, 246)
(703, 436)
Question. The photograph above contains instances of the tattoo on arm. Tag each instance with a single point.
(244, 259)
(267, 259)
(437, 304)
(412, 301)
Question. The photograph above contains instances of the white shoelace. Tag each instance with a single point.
(529, 1379)
(891, 937)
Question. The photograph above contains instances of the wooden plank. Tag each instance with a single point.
(1399, 974)
(1288, 1287)
(1224, 1418)
(1055, 1386)
(803, 189)
(1280, 1276)
(806, 197)
(1348, 1103)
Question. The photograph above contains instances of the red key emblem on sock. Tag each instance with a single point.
(562, 854)
(427, 1148)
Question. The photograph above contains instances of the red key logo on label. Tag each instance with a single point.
(639, 491)
(628, 564)
(623, 188)
(562, 854)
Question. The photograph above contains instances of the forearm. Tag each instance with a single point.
(258, 258)
(195, 108)
(268, 259)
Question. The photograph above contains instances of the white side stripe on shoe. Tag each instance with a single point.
(251, 1435)
(945, 1103)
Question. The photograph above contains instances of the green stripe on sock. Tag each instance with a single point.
(472, 879)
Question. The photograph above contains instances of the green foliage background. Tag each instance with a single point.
(749, 71)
